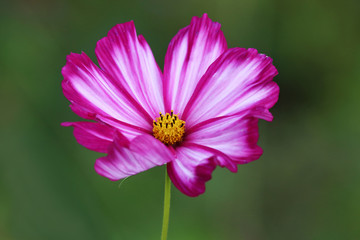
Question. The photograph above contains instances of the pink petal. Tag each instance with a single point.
(190, 170)
(92, 92)
(128, 130)
(128, 158)
(189, 55)
(233, 139)
(129, 59)
(94, 136)
(239, 80)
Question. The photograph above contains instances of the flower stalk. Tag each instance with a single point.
(167, 194)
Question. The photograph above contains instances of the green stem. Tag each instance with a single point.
(167, 194)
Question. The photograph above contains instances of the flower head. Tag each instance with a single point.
(202, 111)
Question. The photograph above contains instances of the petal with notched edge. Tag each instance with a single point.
(239, 80)
(128, 158)
(189, 55)
(94, 136)
(129, 59)
(92, 92)
(191, 169)
(234, 138)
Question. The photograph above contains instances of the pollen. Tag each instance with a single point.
(169, 128)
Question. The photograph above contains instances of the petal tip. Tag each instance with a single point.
(66, 124)
(99, 168)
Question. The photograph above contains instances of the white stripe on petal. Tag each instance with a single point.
(239, 80)
(189, 55)
(234, 137)
(94, 136)
(128, 158)
(129, 59)
(92, 92)
(191, 169)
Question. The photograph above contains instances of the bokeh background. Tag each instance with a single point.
(305, 186)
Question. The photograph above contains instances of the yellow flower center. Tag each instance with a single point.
(169, 128)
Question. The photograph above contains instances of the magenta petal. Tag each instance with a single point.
(94, 136)
(128, 130)
(92, 92)
(190, 170)
(189, 55)
(234, 137)
(239, 80)
(128, 158)
(129, 59)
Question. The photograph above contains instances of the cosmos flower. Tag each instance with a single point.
(202, 111)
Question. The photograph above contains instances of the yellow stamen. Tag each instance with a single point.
(169, 128)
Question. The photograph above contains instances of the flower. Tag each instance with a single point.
(202, 111)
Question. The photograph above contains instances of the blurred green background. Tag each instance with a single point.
(305, 186)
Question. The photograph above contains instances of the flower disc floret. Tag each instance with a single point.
(168, 128)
